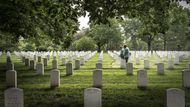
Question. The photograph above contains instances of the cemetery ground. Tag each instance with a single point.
(119, 89)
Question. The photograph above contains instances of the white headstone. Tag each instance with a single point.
(69, 69)
(55, 78)
(142, 79)
(170, 64)
(11, 78)
(45, 61)
(175, 97)
(40, 68)
(176, 61)
(32, 64)
(77, 64)
(39, 58)
(97, 78)
(82, 61)
(129, 68)
(14, 97)
(98, 65)
(146, 64)
(160, 68)
(10, 66)
(137, 61)
(92, 97)
(186, 78)
(27, 62)
(122, 63)
(188, 66)
(63, 61)
(54, 64)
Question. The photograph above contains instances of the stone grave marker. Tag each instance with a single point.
(14, 97)
(186, 78)
(92, 97)
(69, 69)
(10, 66)
(175, 97)
(11, 78)
(32, 64)
(54, 64)
(160, 68)
(27, 62)
(170, 64)
(129, 68)
(45, 60)
(63, 61)
(146, 64)
(40, 68)
(142, 79)
(98, 65)
(97, 78)
(77, 64)
(55, 78)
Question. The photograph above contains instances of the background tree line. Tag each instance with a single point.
(53, 24)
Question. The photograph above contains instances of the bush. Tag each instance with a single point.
(84, 43)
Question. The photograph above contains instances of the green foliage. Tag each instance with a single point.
(26, 46)
(107, 36)
(178, 31)
(83, 44)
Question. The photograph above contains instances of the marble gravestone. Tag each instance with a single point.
(188, 66)
(170, 64)
(97, 78)
(32, 64)
(40, 68)
(54, 64)
(92, 97)
(11, 78)
(14, 97)
(142, 79)
(69, 69)
(146, 64)
(175, 97)
(10, 66)
(63, 61)
(98, 65)
(77, 64)
(55, 78)
(45, 60)
(129, 68)
(27, 62)
(82, 61)
(186, 78)
(137, 61)
(160, 68)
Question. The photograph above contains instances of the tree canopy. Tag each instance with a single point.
(57, 20)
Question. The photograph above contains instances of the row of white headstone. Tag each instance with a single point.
(14, 97)
(175, 97)
(146, 56)
(92, 96)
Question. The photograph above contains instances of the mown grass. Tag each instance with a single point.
(119, 89)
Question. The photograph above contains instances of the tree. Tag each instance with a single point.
(106, 35)
(131, 29)
(83, 44)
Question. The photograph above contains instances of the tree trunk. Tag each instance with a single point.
(149, 45)
(164, 43)
(99, 47)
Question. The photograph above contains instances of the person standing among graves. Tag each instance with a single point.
(124, 53)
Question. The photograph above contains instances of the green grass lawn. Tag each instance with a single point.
(119, 89)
